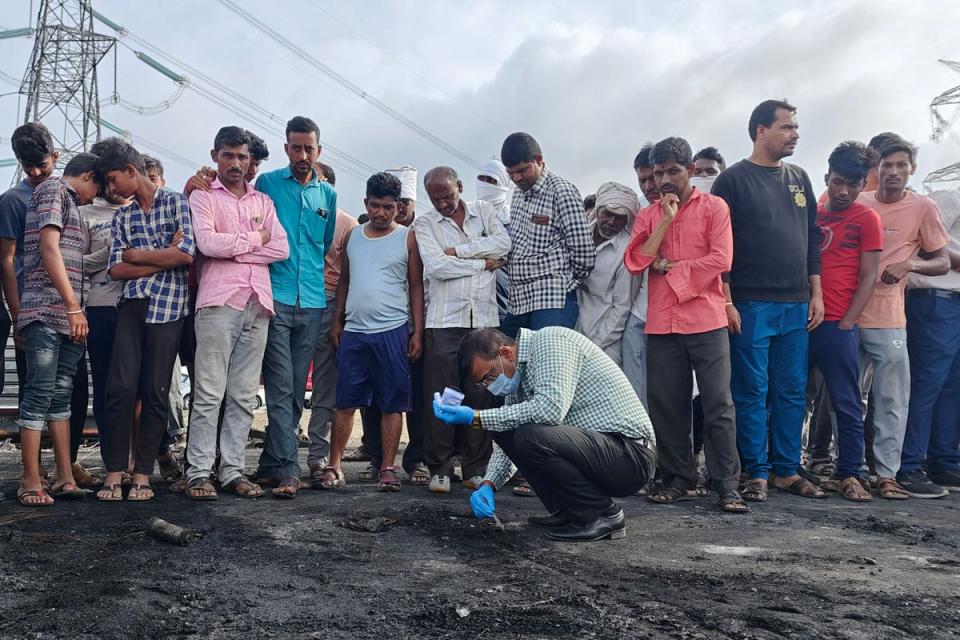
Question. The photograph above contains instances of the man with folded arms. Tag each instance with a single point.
(237, 230)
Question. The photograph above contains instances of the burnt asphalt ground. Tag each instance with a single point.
(795, 568)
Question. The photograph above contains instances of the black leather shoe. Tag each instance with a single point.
(552, 521)
(613, 527)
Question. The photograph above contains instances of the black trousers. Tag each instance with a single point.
(669, 391)
(441, 441)
(79, 401)
(141, 366)
(577, 471)
(370, 418)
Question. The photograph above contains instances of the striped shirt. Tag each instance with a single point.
(462, 291)
(565, 380)
(53, 204)
(552, 249)
(166, 291)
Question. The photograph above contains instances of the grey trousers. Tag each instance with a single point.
(670, 391)
(633, 348)
(230, 347)
(885, 370)
(324, 391)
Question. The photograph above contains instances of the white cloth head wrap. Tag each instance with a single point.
(408, 181)
(618, 199)
(494, 193)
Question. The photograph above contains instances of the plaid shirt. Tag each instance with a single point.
(552, 249)
(166, 291)
(565, 380)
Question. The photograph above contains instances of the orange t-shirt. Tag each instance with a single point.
(908, 226)
(331, 274)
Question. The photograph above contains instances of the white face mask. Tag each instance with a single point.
(491, 192)
(703, 183)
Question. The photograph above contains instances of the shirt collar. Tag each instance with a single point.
(216, 184)
(524, 340)
(469, 212)
(541, 182)
(288, 175)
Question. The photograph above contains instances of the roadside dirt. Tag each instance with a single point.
(795, 568)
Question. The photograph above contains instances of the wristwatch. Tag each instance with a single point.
(475, 423)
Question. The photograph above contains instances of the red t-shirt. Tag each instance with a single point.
(844, 237)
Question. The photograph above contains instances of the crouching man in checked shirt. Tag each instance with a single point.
(572, 425)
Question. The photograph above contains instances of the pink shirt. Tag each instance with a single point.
(226, 228)
(699, 243)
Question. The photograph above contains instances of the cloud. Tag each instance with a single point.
(591, 81)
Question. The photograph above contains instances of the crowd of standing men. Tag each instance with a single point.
(731, 306)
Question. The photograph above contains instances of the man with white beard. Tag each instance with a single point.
(607, 294)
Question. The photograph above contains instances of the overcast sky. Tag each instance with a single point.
(591, 81)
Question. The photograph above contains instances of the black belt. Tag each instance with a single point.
(935, 293)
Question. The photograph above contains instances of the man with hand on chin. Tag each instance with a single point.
(571, 423)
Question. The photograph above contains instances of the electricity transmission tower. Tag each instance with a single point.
(60, 83)
(942, 126)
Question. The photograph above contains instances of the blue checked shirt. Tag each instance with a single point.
(166, 291)
(565, 380)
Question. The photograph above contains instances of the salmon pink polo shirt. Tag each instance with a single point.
(234, 266)
(699, 242)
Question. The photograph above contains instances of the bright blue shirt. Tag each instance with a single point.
(13, 215)
(308, 215)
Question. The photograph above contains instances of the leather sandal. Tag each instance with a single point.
(890, 489)
(851, 489)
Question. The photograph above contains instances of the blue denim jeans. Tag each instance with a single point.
(565, 316)
(837, 354)
(769, 365)
(933, 422)
(291, 341)
(52, 360)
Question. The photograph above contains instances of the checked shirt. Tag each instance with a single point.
(552, 249)
(565, 380)
(166, 291)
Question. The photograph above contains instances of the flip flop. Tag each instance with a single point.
(21, 494)
(733, 503)
(803, 488)
(60, 491)
(666, 495)
(286, 495)
(138, 488)
(253, 490)
(203, 484)
(116, 493)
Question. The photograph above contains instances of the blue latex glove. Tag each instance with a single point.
(483, 502)
(451, 414)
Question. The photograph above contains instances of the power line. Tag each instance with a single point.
(265, 115)
(347, 84)
(319, 6)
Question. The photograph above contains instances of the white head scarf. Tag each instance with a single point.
(494, 193)
(408, 181)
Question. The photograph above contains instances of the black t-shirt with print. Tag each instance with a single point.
(773, 211)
